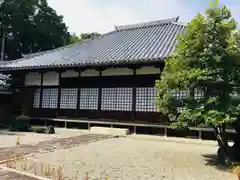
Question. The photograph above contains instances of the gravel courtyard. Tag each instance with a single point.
(135, 159)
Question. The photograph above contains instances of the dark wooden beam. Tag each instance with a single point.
(41, 91)
(100, 94)
(59, 94)
(134, 99)
(78, 97)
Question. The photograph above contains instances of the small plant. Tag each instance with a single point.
(18, 141)
(22, 123)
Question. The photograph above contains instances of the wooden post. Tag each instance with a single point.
(59, 94)
(134, 99)
(134, 129)
(200, 134)
(165, 131)
(78, 96)
(41, 90)
(100, 93)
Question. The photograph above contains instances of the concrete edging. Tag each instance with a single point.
(172, 139)
(23, 173)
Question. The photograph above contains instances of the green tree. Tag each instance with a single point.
(31, 26)
(84, 36)
(74, 38)
(205, 67)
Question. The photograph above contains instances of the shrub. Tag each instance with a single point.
(38, 129)
(236, 170)
(22, 123)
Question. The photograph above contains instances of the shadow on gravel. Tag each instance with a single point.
(212, 160)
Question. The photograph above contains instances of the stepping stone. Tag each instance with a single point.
(110, 131)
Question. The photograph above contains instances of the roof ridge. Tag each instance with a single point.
(179, 23)
(146, 24)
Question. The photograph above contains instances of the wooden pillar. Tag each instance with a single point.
(78, 96)
(41, 90)
(134, 98)
(59, 94)
(27, 103)
(100, 93)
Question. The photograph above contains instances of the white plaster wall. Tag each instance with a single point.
(32, 79)
(148, 70)
(69, 73)
(117, 71)
(50, 78)
(89, 73)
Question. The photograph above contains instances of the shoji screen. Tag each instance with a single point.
(36, 99)
(68, 98)
(89, 98)
(50, 98)
(145, 99)
(116, 99)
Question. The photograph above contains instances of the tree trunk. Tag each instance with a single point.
(224, 154)
(236, 145)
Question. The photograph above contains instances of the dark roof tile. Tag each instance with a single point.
(127, 44)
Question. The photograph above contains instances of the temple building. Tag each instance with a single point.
(5, 98)
(109, 78)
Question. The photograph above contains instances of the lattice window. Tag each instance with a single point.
(145, 99)
(50, 98)
(124, 99)
(108, 99)
(180, 94)
(68, 98)
(235, 94)
(116, 99)
(89, 98)
(198, 94)
(36, 99)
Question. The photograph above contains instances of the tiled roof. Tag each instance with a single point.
(3, 81)
(3, 76)
(152, 41)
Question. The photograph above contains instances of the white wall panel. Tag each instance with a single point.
(117, 71)
(32, 79)
(50, 78)
(69, 73)
(148, 70)
(89, 73)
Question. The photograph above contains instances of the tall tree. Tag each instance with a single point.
(205, 67)
(31, 26)
(84, 36)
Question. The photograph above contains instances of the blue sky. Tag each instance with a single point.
(102, 15)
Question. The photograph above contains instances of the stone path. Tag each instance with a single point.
(50, 146)
(41, 148)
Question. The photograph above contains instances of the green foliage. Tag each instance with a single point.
(31, 26)
(206, 60)
(22, 123)
(84, 36)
